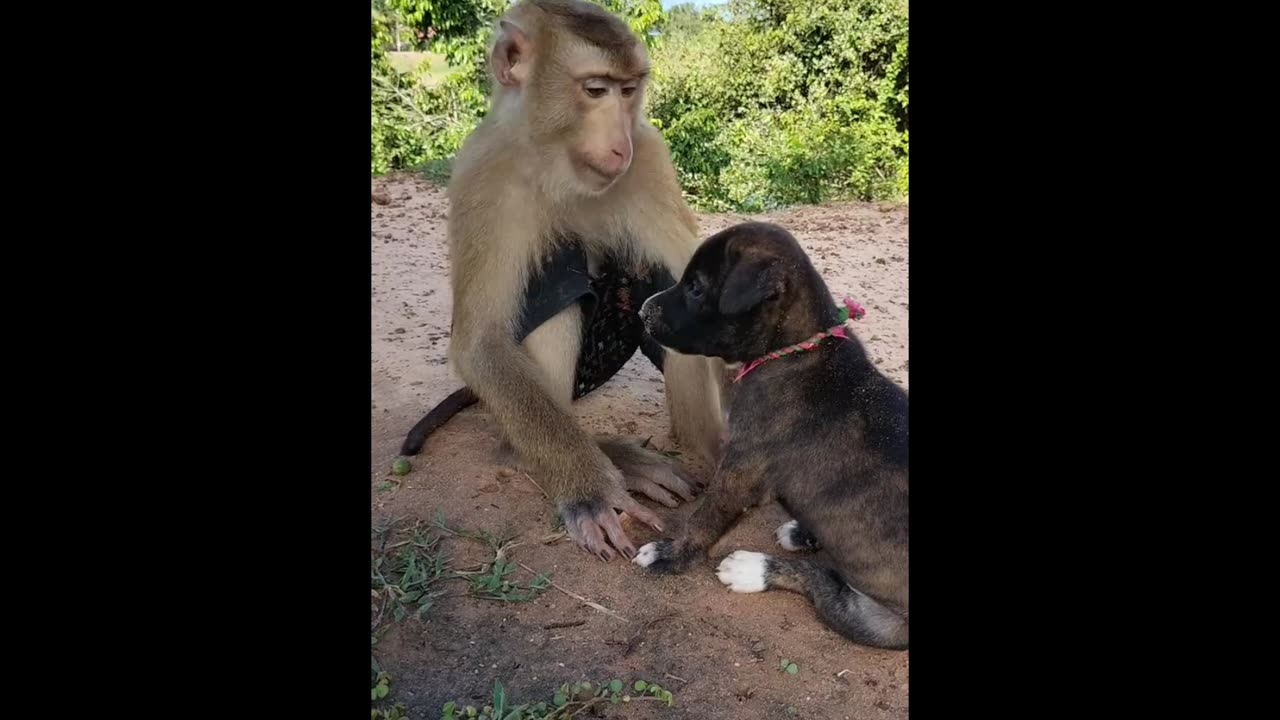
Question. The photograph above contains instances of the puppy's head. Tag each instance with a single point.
(748, 290)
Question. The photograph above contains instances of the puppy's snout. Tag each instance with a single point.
(649, 313)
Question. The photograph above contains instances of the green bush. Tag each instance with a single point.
(764, 103)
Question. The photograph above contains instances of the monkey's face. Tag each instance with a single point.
(606, 101)
(579, 74)
(728, 304)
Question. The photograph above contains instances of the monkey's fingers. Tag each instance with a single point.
(639, 512)
(584, 531)
(609, 520)
(654, 491)
(678, 482)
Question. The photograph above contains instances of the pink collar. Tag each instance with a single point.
(851, 309)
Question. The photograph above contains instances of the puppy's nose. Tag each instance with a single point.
(648, 313)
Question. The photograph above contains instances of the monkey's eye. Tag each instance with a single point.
(596, 92)
(628, 91)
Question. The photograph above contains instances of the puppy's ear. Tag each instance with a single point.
(750, 282)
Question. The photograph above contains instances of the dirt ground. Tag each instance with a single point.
(718, 652)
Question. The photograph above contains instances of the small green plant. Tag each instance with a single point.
(381, 687)
(788, 667)
(494, 584)
(568, 701)
(404, 574)
(492, 579)
(395, 712)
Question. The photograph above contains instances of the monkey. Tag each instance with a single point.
(565, 215)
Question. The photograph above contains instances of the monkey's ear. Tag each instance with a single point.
(749, 283)
(511, 54)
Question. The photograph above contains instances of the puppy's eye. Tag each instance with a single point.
(596, 92)
(695, 291)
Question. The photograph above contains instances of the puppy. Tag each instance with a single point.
(812, 424)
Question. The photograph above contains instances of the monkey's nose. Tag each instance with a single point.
(617, 162)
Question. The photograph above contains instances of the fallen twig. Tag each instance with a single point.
(535, 484)
(569, 624)
(576, 596)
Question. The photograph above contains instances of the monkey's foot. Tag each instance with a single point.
(664, 558)
(650, 473)
(594, 525)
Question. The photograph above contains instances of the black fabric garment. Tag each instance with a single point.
(610, 301)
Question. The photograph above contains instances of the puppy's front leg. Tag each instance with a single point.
(734, 488)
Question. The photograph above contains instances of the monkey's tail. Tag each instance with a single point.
(460, 400)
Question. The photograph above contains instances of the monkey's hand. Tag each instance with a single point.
(594, 523)
(650, 473)
(667, 557)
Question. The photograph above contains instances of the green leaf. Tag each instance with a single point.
(640, 685)
(793, 669)
(560, 699)
(616, 685)
(499, 699)
(381, 691)
(448, 711)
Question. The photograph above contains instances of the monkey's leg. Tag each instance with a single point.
(693, 401)
(648, 472)
(732, 491)
(695, 386)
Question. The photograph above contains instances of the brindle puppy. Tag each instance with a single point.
(821, 431)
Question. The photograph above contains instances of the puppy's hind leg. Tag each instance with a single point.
(794, 538)
(849, 612)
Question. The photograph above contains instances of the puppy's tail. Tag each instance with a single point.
(460, 400)
(845, 609)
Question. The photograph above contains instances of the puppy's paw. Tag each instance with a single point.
(794, 538)
(647, 554)
(744, 571)
(663, 558)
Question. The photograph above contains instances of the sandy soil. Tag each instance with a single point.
(717, 651)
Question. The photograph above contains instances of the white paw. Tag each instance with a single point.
(784, 535)
(646, 555)
(743, 571)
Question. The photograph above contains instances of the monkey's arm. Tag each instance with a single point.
(528, 387)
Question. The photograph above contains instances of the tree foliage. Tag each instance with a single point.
(763, 102)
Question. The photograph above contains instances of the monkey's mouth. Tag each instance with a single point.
(596, 176)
